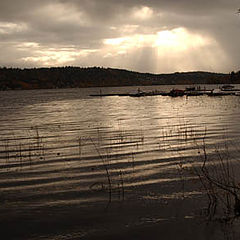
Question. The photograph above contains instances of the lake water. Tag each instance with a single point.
(63, 149)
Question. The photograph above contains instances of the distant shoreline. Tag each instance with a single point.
(77, 77)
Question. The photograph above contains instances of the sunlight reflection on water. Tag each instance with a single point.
(63, 140)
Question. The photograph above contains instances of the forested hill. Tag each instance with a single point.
(67, 77)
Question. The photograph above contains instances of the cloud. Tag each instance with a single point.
(153, 35)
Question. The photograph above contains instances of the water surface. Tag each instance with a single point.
(62, 148)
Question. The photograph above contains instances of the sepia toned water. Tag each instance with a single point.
(62, 148)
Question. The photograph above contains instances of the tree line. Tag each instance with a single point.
(71, 77)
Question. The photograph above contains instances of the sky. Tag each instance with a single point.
(157, 36)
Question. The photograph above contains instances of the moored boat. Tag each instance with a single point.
(228, 87)
(176, 93)
(219, 92)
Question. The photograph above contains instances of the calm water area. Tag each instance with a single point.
(64, 152)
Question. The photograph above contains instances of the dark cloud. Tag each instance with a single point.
(31, 30)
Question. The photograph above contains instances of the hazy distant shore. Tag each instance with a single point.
(72, 77)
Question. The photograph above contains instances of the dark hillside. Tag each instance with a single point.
(69, 77)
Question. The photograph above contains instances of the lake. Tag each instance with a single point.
(74, 166)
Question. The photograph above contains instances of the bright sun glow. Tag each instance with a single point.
(176, 40)
(180, 40)
(172, 50)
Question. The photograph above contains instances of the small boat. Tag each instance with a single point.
(219, 92)
(176, 93)
(227, 87)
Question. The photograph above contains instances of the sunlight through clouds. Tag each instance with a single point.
(175, 40)
(177, 49)
(179, 39)
(138, 35)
